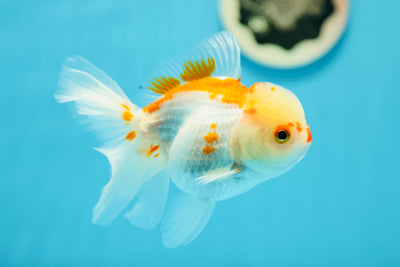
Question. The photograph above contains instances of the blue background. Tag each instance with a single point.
(339, 207)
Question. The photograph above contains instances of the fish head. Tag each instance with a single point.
(272, 134)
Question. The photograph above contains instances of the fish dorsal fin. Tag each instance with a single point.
(198, 70)
(217, 56)
(162, 84)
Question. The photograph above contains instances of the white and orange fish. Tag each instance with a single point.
(214, 137)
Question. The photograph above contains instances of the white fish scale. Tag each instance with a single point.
(168, 119)
(182, 123)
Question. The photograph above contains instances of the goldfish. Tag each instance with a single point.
(209, 134)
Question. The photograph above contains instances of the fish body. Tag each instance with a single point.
(200, 117)
(213, 136)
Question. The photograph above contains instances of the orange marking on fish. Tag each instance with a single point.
(249, 111)
(213, 126)
(156, 104)
(251, 89)
(272, 88)
(125, 107)
(212, 95)
(211, 137)
(232, 91)
(299, 126)
(309, 137)
(127, 116)
(156, 155)
(152, 150)
(130, 136)
(284, 127)
(208, 149)
(238, 170)
(198, 70)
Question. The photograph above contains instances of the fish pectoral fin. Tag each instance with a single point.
(202, 180)
(185, 217)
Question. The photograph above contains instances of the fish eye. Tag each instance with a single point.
(282, 136)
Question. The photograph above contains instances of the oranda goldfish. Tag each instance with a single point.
(214, 137)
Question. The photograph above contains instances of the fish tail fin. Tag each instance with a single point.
(184, 219)
(134, 155)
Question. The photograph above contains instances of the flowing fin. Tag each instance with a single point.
(106, 110)
(116, 120)
(129, 172)
(198, 70)
(162, 85)
(217, 56)
(214, 177)
(185, 217)
(148, 210)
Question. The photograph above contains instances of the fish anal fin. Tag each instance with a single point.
(147, 211)
(185, 217)
(198, 70)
